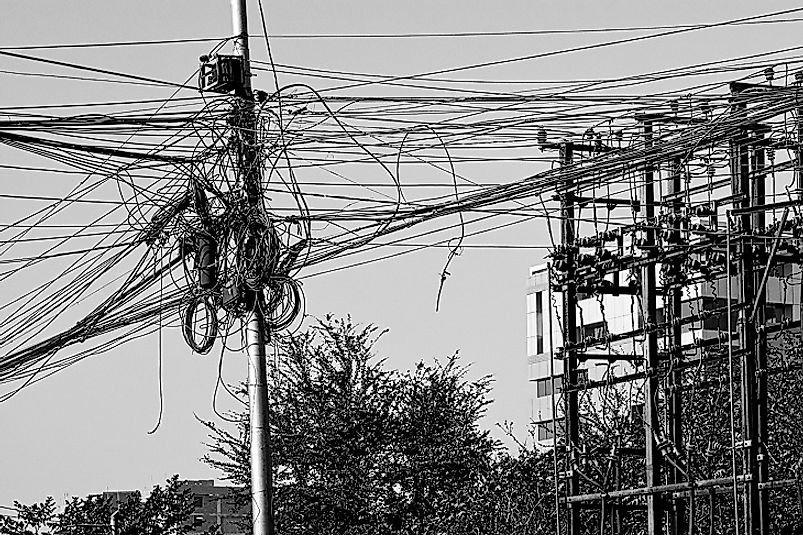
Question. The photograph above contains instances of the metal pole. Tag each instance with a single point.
(569, 340)
(758, 194)
(729, 290)
(747, 337)
(674, 409)
(261, 469)
(648, 309)
(554, 405)
(239, 23)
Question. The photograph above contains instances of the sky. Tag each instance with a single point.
(86, 429)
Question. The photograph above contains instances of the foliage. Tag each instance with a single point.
(31, 519)
(519, 495)
(360, 449)
(166, 511)
(704, 453)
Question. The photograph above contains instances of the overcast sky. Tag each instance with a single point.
(85, 429)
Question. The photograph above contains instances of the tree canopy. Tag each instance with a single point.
(358, 448)
(166, 511)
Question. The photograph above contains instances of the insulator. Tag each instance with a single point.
(799, 77)
(604, 283)
(674, 106)
(698, 228)
(705, 108)
(717, 259)
(769, 74)
(557, 254)
(604, 255)
(541, 136)
(586, 260)
(206, 261)
(585, 288)
(672, 237)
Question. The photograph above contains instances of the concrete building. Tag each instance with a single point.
(611, 314)
(544, 311)
(213, 506)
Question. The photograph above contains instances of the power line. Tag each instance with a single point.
(108, 44)
(514, 33)
(542, 55)
(401, 35)
(87, 68)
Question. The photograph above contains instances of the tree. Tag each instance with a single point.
(519, 496)
(360, 449)
(31, 519)
(166, 511)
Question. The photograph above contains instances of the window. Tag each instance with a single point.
(199, 501)
(543, 387)
(597, 330)
(778, 312)
(544, 430)
(539, 322)
(592, 331)
(582, 377)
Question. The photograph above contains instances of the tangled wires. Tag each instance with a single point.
(236, 257)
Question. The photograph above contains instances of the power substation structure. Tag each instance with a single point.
(692, 218)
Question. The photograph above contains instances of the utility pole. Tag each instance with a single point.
(758, 198)
(254, 321)
(740, 184)
(648, 310)
(674, 341)
(569, 340)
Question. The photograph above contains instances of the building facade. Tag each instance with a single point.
(214, 506)
(598, 317)
(544, 336)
